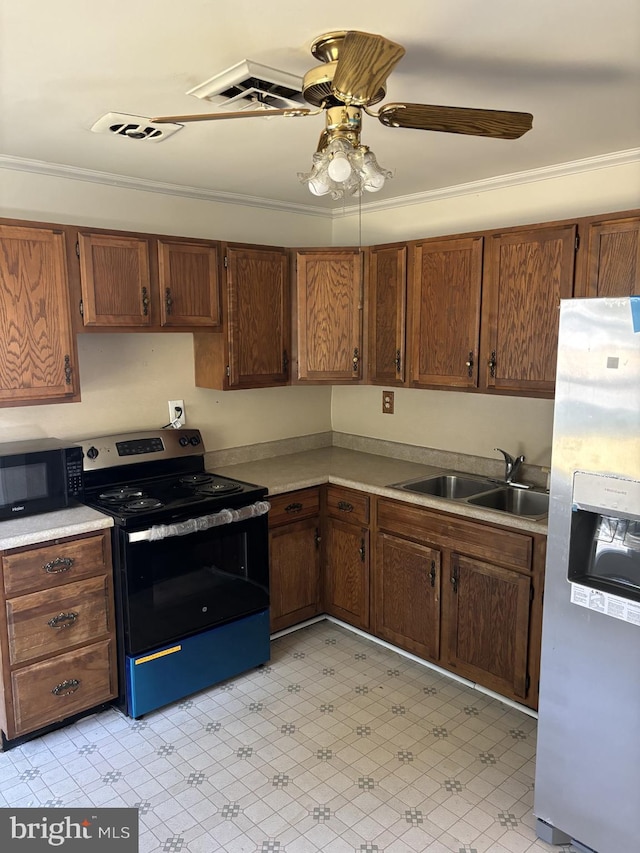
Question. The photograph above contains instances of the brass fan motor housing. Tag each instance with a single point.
(317, 84)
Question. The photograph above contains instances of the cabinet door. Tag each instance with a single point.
(527, 273)
(613, 258)
(115, 280)
(329, 315)
(259, 317)
(387, 288)
(346, 590)
(489, 625)
(294, 572)
(38, 361)
(445, 287)
(407, 595)
(189, 285)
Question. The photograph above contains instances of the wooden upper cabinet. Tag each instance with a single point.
(133, 281)
(445, 291)
(526, 274)
(189, 285)
(254, 349)
(38, 359)
(611, 258)
(328, 315)
(115, 280)
(387, 302)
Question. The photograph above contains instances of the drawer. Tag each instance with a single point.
(294, 506)
(66, 684)
(348, 505)
(53, 620)
(56, 563)
(444, 530)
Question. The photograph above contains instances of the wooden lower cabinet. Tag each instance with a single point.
(463, 594)
(489, 625)
(407, 595)
(294, 553)
(57, 632)
(346, 556)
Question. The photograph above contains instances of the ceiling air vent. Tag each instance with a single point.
(248, 85)
(134, 127)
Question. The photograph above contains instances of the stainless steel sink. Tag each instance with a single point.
(452, 486)
(514, 501)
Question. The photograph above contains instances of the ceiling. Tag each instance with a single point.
(574, 64)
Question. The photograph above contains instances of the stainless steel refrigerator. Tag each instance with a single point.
(587, 787)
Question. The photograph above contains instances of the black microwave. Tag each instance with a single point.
(40, 475)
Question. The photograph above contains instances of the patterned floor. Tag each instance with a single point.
(338, 745)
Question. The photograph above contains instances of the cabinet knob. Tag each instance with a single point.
(432, 573)
(60, 564)
(356, 359)
(168, 301)
(492, 364)
(362, 550)
(469, 364)
(145, 301)
(398, 361)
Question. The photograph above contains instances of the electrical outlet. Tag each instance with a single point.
(177, 413)
(387, 402)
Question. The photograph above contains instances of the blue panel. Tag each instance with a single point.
(170, 673)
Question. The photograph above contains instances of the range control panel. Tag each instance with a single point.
(110, 450)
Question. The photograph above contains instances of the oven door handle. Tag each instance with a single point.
(203, 522)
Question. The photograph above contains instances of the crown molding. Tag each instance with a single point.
(544, 173)
(58, 170)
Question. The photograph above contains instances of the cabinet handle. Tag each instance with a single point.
(317, 538)
(362, 550)
(66, 687)
(285, 362)
(432, 573)
(454, 580)
(345, 506)
(145, 301)
(67, 369)
(356, 359)
(63, 620)
(60, 564)
(398, 361)
(469, 364)
(168, 301)
(492, 364)
(294, 507)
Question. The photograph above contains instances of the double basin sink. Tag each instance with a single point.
(481, 492)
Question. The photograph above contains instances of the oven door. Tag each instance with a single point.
(183, 584)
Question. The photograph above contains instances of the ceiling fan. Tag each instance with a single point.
(350, 81)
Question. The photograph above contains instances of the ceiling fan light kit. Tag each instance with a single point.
(351, 79)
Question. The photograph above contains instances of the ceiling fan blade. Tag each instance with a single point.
(364, 63)
(291, 112)
(499, 124)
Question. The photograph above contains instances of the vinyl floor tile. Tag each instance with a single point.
(338, 745)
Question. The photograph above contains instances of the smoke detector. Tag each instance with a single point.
(134, 127)
(249, 86)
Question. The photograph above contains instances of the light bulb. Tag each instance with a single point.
(319, 185)
(339, 167)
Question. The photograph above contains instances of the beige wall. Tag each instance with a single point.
(126, 380)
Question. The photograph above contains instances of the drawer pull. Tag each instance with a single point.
(66, 687)
(63, 620)
(60, 564)
(345, 506)
(294, 507)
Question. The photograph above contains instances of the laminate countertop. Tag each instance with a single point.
(366, 472)
(42, 528)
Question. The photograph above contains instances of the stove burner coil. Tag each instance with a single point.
(142, 504)
(195, 479)
(219, 488)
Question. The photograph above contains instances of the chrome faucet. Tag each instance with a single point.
(511, 466)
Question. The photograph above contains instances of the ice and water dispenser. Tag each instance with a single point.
(604, 548)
